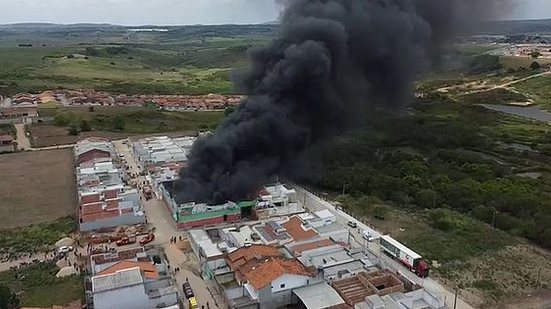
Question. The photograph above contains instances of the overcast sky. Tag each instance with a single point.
(171, 12)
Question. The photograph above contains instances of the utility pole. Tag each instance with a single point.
(494, 219)
(344, 189)
(455, 299)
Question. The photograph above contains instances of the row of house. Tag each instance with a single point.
(165, 102)
(104, 199)
(195, 103)
(303, 260)
(130, 278)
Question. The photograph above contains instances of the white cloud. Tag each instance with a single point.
(139, 12)
(135, 12)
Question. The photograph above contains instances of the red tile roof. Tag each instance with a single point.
(110, 194)
(261, 276)
(313, 245)
(243, 255)
(297, 231)
(92, 154)
(86, 199)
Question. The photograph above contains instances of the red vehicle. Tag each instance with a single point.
(413, 261)
(147, 239)
(126, 241)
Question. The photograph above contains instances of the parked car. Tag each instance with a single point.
(65, 249)
(367, 236)
(352, 224)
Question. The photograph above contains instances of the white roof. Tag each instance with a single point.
(119, 279)
(324, 214)
(318, 296)
(402, 248)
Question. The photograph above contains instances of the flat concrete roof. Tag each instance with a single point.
(318, 296)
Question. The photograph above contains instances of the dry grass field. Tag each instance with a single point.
(36, 187)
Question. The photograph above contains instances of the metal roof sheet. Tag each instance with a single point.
(318, 296)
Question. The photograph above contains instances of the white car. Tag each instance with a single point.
(367, 236)
(64, 249)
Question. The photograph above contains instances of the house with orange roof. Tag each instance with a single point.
(272, 282)
(130, 279)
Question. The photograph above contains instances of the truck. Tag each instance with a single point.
(147, 239)
(188, 291)
(407, 257)
(126, 241)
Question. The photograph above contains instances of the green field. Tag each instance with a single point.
(190, 66)
(37, 285)
(138, 119)
(538, 88)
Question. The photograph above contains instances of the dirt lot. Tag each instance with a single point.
(44, 135)
(36, 187)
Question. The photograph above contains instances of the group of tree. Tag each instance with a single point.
(8, 299)
(75, 124)
(441, 175)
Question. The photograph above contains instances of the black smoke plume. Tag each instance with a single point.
(331, 60)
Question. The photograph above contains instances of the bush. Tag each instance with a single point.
(119, 123)
(63, 118)
(85, 126)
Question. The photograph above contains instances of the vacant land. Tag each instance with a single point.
(36, 187)
(45, 135)
(37, 285)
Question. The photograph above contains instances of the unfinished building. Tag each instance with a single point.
(355, 289)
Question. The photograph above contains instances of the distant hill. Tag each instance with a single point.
(187, 30)
(540, 26)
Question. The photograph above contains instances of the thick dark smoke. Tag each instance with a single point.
(331, 60)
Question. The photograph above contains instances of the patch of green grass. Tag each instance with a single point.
(495, 96)
(511, 62)
(142, 120)
(538, 87)
(36, 237)
(37, 285)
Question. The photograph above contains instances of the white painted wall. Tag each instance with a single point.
(290, 281)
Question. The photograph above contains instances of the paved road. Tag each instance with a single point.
(22, 139)
(313, 203)
(159, 217)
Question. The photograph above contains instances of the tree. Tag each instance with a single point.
(535, 54)
(426, 198)
(119, 123)
(380, 212)
(73, 129)
(535, 65)
(8, 300)
(229, 110)
(85, 126)
(61, 119)
(91, 109)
